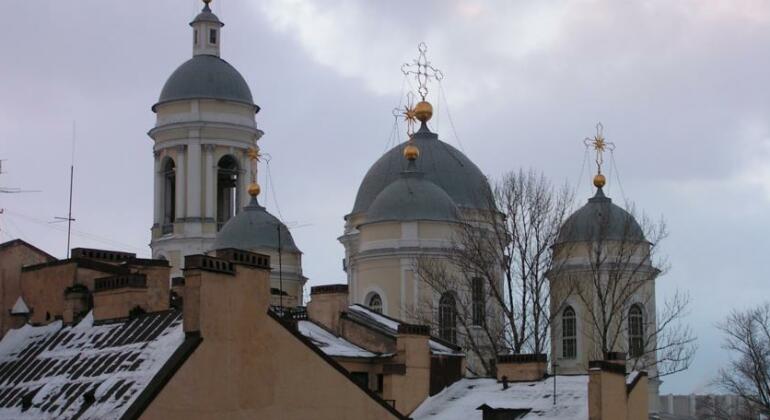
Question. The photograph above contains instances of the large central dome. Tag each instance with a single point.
(441, 163)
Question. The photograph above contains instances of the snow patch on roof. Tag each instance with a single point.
(461, 400)
(391, 326)
(20, 307)
(631, 377)
(87, 371)
(330, 343)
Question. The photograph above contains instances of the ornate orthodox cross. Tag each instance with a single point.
(600, 145)
(422, 70)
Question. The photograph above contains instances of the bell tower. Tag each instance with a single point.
(205, 125)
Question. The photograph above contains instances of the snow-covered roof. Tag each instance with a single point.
(84, 371)
(461, 400)
(20, 307)
(330, 343)
(389, 326)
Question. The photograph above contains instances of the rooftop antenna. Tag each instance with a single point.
(69, 218)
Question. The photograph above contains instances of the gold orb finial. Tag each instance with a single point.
(254, 189)
(423, 111)
(600, 181)
(411, 152)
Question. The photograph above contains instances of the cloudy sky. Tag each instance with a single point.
(681, 88)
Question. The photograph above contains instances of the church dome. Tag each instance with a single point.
(442, 165)
(254, 229)
(412, 197)
(206, 77)
(600, 219)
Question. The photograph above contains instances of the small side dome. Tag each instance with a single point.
(600, 219)
(410, 198)
(206, 77)
(254, 229)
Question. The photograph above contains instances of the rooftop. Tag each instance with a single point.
(461, 401)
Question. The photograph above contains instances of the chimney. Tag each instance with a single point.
(407, 379)
(117, 296)
(521, 367)
(225, 291)
(327, 303)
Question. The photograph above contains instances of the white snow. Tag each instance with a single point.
(144, 361)
(462, 399)
(330, 343)
(377, 317)
(435, 347)
(20, 307)
(631, 377)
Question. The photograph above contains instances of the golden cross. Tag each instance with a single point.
(600, 145)
(423, 70)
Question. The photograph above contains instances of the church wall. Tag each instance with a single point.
(249, 366)
(382, 276)
(380, 231)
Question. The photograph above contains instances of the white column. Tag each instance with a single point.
(181, 181)
(158, 200)
(194, 179)
(210, 171)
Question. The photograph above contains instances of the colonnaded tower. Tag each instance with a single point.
(204, 128)
(603, 287)
(409, 207)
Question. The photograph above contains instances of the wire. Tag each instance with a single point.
(449, 117)
(582, 170)
(272, 191)
(617, 176)
(82, 234)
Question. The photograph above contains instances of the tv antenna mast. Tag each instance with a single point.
(69, 219)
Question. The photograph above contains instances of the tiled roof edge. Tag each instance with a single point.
(164, 375)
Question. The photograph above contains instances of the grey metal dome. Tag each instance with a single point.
(442, 164)
(600, 220)
(254, 229)
(412, 197)
(206, 77)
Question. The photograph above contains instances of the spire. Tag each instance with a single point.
(206, 32)
(600, 145)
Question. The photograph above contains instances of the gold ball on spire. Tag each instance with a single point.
(411, 152)
(599, 181)
(423, 111)
(254, 189)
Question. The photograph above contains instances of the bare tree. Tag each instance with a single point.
(615, 262)
(748, 341)
(496, 268)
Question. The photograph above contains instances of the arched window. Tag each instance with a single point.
(479, 305)
(375, 303)
(568, 333)
(169, 195)
(635, 331)
(227, 189)
(447, 318)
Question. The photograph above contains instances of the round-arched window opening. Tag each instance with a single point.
(227, 189)
(375, 303)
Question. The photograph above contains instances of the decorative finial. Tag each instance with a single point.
(411, 152)
(600, 145)
(254, 156)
